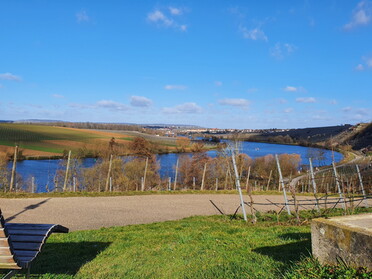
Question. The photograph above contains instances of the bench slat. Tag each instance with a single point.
(6, 259)
(27, 238)
(25, 259)
(20, 226)
(9, 266)
(4, 242)
(27, 232)
(2, 232)
(5, 251)
(26, 246)
(24, 253)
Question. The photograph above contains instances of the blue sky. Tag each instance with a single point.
(213, 63)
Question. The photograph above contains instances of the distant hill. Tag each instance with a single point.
(312, 135)
(360, 137)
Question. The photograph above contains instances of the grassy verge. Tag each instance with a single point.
(195, 247)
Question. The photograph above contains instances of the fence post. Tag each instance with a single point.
(169, 183)
(108, 175)
(110, 184)
(74, 183)
(314, 184)
(175, 176)
(202, 184)
(237, 182)
(144, 176)
(142, 185)
(268, 182)
(361, 185)
(193, 183)
(33, 184)
(247, 181)
(282, 184)
(338, 186)
(67, 170)
(12, 178)
(216, 183)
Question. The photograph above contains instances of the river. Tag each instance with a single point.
(43, 171)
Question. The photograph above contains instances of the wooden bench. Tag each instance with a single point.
(21, 243)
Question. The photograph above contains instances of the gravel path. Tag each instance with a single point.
(81, 213)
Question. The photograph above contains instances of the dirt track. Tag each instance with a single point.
(93, 213)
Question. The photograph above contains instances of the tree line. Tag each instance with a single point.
(141, 170)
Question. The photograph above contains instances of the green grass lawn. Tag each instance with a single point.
(195, 247)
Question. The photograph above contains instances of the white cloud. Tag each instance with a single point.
(159, 17)
(111, 105)
(333, 102)
(218, 83)
(361, 15)
(175, 87)
(279, 51)
(82, 16)
(9, 76)
(282, 101)
(306, 100)
(288, 110)
(253, 34)
(175, 11)
(140, 101)
(183, 27)
(167, 18)
(234, 102)
(80, 106)
(363, 111)
(290, 88)
(189, 108)
(347, 109)
(368, 61)
(57, 96)
(360, 67)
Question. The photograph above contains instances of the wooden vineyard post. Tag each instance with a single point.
(216, 183)
(110, 184)
(361, 185)
(175, 177)
(226, 177)
(282, 184)
(12, 178)
(193, 183)
(74, 183)
(237, 183)
(33, 184)
(338, 186)
(144, 176)
(169, 183)
(268, 182)
(247, 181)
(203, 178)
(108, 175)
(314, 184)
(67, 170)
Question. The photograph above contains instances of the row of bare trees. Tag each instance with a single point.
(141, 172)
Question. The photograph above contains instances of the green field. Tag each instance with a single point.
(39, 137)
(195, 247)
(35, 137)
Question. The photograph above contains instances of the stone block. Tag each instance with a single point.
(344, 238)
